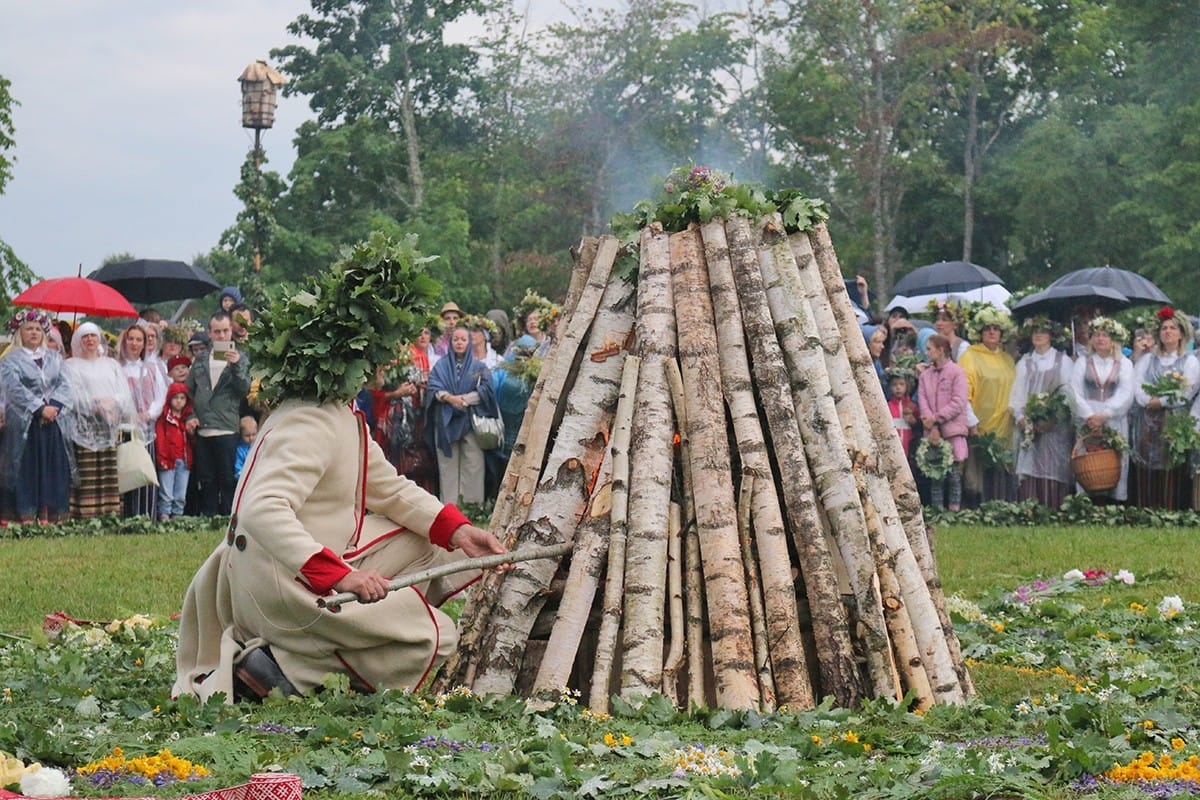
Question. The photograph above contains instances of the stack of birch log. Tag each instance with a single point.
(710, 435)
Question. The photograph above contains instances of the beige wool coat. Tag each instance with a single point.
(317, 497)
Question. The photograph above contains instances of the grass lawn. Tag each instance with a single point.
(111, 577)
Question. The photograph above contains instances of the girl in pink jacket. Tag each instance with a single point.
(942, 398)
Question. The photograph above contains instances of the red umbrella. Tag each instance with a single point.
(77, 295)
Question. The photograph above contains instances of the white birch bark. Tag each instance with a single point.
(614, 585)
(592, 269)
(580, 446)
(729, 619)
(825, 448)
(789, 662)
(839, 671)
(651, 470)
(932, 625)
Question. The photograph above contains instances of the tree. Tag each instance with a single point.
(976, 47)
(847, 99)
(14, 274)
(387, 61)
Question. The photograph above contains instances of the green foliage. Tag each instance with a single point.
(1077, 509)
(15, 275)
(325, 340)
(696, 195)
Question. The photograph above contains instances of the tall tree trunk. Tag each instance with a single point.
(651, 470)
(716, 518)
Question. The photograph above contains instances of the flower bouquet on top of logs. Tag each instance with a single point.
(709, 434)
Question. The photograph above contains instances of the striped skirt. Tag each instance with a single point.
(96, 492)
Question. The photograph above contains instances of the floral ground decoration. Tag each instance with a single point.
(1083, 697)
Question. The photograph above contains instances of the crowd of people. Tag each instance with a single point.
(67, 408)
(989, 409)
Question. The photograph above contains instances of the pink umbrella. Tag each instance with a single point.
(78, 296)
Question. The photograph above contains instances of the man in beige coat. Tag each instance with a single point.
(319, 509)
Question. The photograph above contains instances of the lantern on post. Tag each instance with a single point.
(259, 85)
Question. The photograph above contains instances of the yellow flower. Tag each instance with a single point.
(816, 740)
(998, 627)
(1147, 724)
(1178, 744)
(851, 737)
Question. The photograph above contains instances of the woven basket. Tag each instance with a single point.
(1097, 471)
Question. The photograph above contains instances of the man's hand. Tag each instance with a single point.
(477, 542)
(367, 584)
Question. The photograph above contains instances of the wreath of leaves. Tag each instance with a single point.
(323, 340)
(935, 460)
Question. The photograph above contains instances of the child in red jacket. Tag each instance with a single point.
(173, 452)
(904, 410)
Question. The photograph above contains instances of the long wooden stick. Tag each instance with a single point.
(335, 602)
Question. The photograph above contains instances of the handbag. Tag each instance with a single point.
(135, 468)
(489, 431)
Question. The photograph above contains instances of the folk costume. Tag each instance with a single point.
(1156, 483)
(101, 405)
(448, 429)
(316, 499)
(1105, 386)
(35, 455)
(1043, 457)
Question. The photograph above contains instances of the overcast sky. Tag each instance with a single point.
(128, 132)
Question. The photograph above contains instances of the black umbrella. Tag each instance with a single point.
(1058, 301)
(945, 277)
(1133, 286)
(146, 281)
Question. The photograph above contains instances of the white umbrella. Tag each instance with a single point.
(916, 304)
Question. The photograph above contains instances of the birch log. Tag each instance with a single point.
(824, 447)
(840, 675)
(789, 662)
(729, 619)
(695, 628)
(675, 648)
(651, 470)
(614, 585)
(893, 461)
(591, 273)
(580, 446)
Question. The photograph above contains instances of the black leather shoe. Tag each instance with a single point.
(257, 674)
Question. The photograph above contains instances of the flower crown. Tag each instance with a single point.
(29, 315)
(478, 322)
(988, 316)
(947, 307)
(1114, 329)
(532, 301)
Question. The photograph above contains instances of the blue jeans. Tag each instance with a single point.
(172, 489)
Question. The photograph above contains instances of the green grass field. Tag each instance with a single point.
(110, 577)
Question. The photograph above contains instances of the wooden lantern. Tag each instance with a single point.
(259, 83)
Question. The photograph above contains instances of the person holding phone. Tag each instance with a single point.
(218, 383)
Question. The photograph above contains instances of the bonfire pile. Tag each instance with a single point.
(710, 435)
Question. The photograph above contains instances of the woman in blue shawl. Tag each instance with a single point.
(35, 459)
(459, 385)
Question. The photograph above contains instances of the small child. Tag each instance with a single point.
(903, 409)
(178, 367)
(173, 452)
(249, 430)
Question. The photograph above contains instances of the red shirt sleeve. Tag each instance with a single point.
(448, 520)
